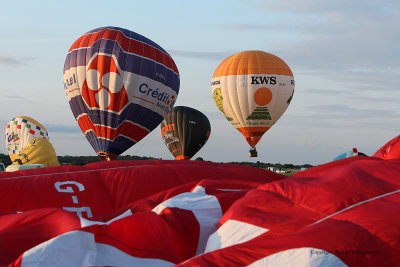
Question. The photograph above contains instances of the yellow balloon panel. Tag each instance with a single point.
(37, 151)
(252, 89)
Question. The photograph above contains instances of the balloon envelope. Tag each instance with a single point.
(347, 154)
(20, 131)
(119, 85)
(37, 151)
(252, 89)
(185, 131)
(391, 150)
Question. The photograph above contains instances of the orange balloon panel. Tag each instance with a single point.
(252, 62)
(252, 89)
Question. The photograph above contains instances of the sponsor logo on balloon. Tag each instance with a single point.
(262, 97)
(169, 139)
(157, 95)
(103, 87)
(167, 128)
(12, 137)
(70, 81)
(263, 80)
(167, 134)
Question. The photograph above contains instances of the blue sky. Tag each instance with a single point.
(343, 54)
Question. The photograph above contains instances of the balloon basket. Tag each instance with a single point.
(253, 152)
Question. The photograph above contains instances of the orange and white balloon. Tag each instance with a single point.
(253, 89)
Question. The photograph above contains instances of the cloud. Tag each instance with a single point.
(377, 100)
(326, 92)
(329, 7)
(384, 81)
(353, 43)
(248, 26)
(325, 35)
(356, 97)
(9, 61)
(345, 112)
(14, 97)
(18, 98)
(14, 61)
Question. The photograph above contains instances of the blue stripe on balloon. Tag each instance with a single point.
(116, 147)
(131, 35)
(104, 46)
(133, 112)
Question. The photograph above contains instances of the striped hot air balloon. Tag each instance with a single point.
(119, 85)
(252, 89)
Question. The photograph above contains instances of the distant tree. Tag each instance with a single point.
(82, 160)
(79, 163)
(5, 159)
(288, 166)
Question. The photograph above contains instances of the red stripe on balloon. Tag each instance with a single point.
(127, 129)
(128, 45)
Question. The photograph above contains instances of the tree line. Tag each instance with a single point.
(83, 160)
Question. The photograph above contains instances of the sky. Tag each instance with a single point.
(344, 56)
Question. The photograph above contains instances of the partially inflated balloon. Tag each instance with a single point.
(185, 131)
(20, 131)
(391, 150)
(37, 151)
(119, 85)
(252, 89)
(347, 154)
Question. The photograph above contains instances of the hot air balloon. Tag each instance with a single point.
(185, 130)
(20, 131)
(119, 85)
(37, 151)
(252, 89)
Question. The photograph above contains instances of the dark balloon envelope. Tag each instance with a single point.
(119, 85)
(185, 131)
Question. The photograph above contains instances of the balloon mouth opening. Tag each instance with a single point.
(182, 157)
(253, 152)
(106, 156)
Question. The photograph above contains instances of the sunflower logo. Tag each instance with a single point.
(218, 100)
